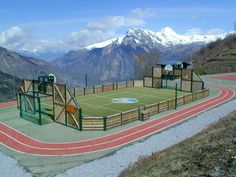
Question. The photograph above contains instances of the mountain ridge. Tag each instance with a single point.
(27, 67)
(9, 86)
(166, 36)
(115, 59)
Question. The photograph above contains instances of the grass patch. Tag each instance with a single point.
(211, 152)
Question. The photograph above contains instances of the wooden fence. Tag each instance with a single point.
(108, 122)
(107, 87)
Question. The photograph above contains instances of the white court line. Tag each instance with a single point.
(102, 107)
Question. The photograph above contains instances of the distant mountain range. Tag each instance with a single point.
(165, 37)
(119, 58)
(23, 67)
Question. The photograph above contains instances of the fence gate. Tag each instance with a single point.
(30, 108)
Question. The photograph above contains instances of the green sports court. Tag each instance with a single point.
(104, 104)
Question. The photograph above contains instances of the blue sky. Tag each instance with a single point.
(82, 22)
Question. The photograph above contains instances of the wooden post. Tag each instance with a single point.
(80, 119)
(65, 105)
(40, 121)
(105, 122)
(176, 86)
(20, 95)
(86, 80)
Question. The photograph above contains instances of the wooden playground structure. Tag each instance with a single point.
(158, 76)
(61, 106)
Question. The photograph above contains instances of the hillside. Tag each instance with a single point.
(23, 67)
(8, 86)
(111, 63)
(216, 57)
(195, 157)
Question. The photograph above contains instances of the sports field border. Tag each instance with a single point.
(19, 142)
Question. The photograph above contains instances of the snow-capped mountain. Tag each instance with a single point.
(128, 56)
(45, 55)
(166, 37)
(117, 40)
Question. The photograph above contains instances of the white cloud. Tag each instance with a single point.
(105, 28)
(138, 12)
(194, 31)
(199, 31)
(18, 39)
(87, 37)
(56, 22)
(114, 22)
(13, 36)
(215, 31)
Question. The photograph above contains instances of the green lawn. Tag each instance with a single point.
(101, 104)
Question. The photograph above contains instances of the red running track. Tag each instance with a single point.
(226, 77)
(22, 143)
(7, 104)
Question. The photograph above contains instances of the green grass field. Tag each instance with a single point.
(101, 104)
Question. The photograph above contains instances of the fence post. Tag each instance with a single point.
(93, 89)
(86, 80)
(40, 121)
(126, 84)
(74, 92)
(84, 90)
(80, 119)
(133, 83)
(142, 115)
(113, 86)
(20, 96)
(158, 107)
(105, 122)
(65, 105)
(191, 80)
(139, 113)
(143, 81)
(102, 88)
(121, 119)
(176, 86)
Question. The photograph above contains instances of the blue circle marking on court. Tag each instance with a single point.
(124, 100)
